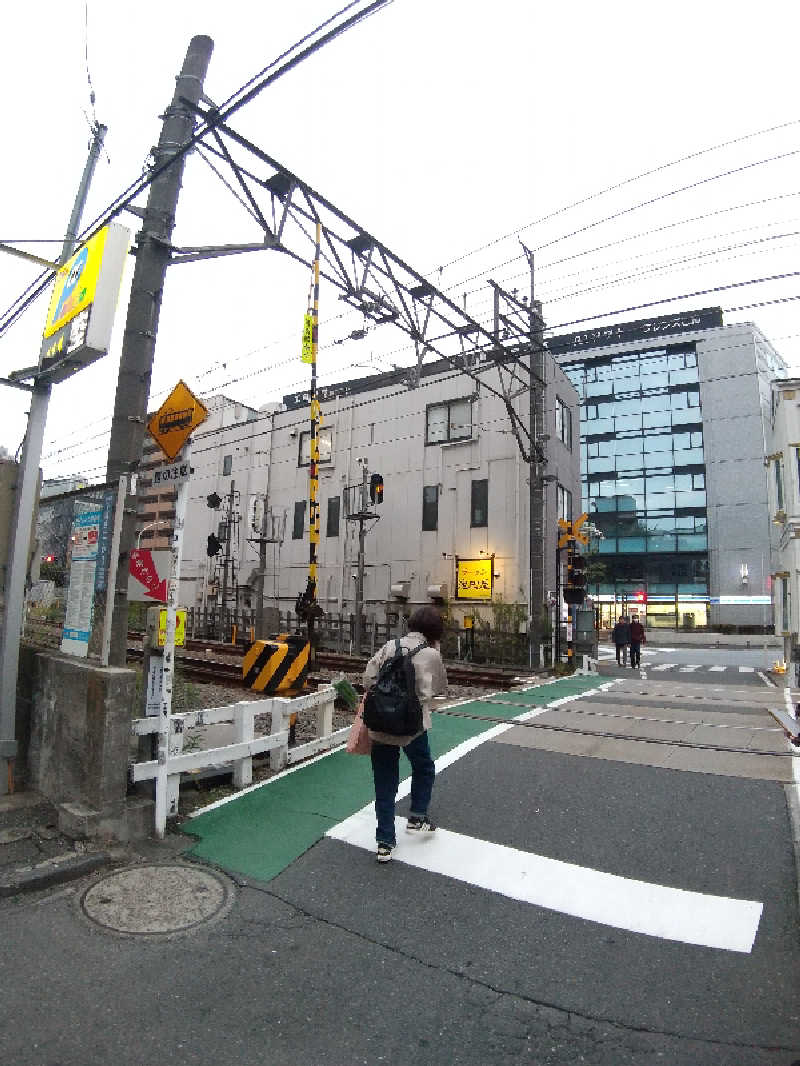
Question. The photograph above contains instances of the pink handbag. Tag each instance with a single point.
(358, 742)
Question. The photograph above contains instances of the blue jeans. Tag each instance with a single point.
(386, 774)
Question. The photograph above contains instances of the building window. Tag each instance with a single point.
(564, 504)
(430, 508)
(448, 422)
(227, 465)
(779, 484)
(325, 441)
(563, 423)
(479, 505)
(299, 520)
(334, 507)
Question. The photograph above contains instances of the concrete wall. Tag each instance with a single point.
(77, 740)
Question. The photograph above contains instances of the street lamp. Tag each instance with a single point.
(149, 525)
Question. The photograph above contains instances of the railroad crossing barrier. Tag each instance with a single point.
(245, 744)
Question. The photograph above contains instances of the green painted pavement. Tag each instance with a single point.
(259, 833)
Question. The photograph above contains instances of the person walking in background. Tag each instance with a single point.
(637, 639)
(425, 632)
(621, 636)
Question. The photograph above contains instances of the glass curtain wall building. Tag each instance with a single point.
(674, 417)
(643, 470)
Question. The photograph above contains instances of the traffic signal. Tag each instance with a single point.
(214, 500)
(49, 559)
(640, 596)
(214, 545)
(575, 589)
(376, 488)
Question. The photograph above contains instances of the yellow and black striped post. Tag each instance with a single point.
(277, 666)
(307, 606)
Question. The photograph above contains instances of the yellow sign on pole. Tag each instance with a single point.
(307, 354)
(172, 424)
(474, 578)
(180, 627)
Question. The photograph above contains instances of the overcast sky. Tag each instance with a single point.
(444, 127)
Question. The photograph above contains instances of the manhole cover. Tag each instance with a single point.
(153, 900)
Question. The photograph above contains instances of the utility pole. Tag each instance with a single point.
(536, 542)
(24, 503)
(362, 516)
(227, 557)
(153, 253)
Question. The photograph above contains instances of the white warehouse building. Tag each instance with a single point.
(455, 486)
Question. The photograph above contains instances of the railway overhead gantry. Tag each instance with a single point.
(505, 357)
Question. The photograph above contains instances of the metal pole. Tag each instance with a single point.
(262, 567)
(535, 480)
(227, 557)
(313, 466)
(153, 251)
(24, 503)
(163, 801)
(360, 578)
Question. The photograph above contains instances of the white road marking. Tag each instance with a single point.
(766, 680)
(747, 669)
(690, 668)
(593, 895)
(717, 669)
(665, 666)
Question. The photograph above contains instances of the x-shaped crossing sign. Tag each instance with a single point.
(572, 530)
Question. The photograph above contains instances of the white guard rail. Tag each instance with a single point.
(245, 743)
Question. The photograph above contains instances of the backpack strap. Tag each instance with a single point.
(419, 647)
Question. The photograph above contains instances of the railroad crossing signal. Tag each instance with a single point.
(172, 424)
(572, 530)
(575, 588)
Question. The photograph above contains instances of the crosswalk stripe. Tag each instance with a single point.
(747, 669)
(689, 669)
(594, 895)
(717, 669)
(665, 666)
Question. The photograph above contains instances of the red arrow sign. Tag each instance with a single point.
(143, 570)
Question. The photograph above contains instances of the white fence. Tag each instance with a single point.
(244, 745)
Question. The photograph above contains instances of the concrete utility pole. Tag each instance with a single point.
(226, 561)
(536, 543)
(153, 252)
(24, 503)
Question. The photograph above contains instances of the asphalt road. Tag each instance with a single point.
(552, 920)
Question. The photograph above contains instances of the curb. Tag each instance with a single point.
(55, 871)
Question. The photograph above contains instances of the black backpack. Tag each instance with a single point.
(392, 705)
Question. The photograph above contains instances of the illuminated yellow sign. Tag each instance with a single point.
(180, 627)
(474, 578)
(76, 283)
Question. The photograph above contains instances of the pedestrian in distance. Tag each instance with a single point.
(638, 638)
(621, 636)
(430, 680)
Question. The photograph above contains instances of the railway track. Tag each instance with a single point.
(196, 662)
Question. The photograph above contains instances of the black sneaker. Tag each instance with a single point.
(420, 825)
(384, 853)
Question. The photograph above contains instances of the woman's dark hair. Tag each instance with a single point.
(428, 622)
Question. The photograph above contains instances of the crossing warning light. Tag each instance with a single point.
(640, 596)
(376, 488)
(575, 588)
(214, 545)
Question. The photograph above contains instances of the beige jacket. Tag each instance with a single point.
(430, 676)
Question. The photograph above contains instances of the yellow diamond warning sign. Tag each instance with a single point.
(172, 424)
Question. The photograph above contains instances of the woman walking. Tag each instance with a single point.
(425, 631)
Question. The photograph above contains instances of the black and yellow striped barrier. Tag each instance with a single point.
(273, 666)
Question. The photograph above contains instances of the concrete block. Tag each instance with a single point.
(76, 821)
